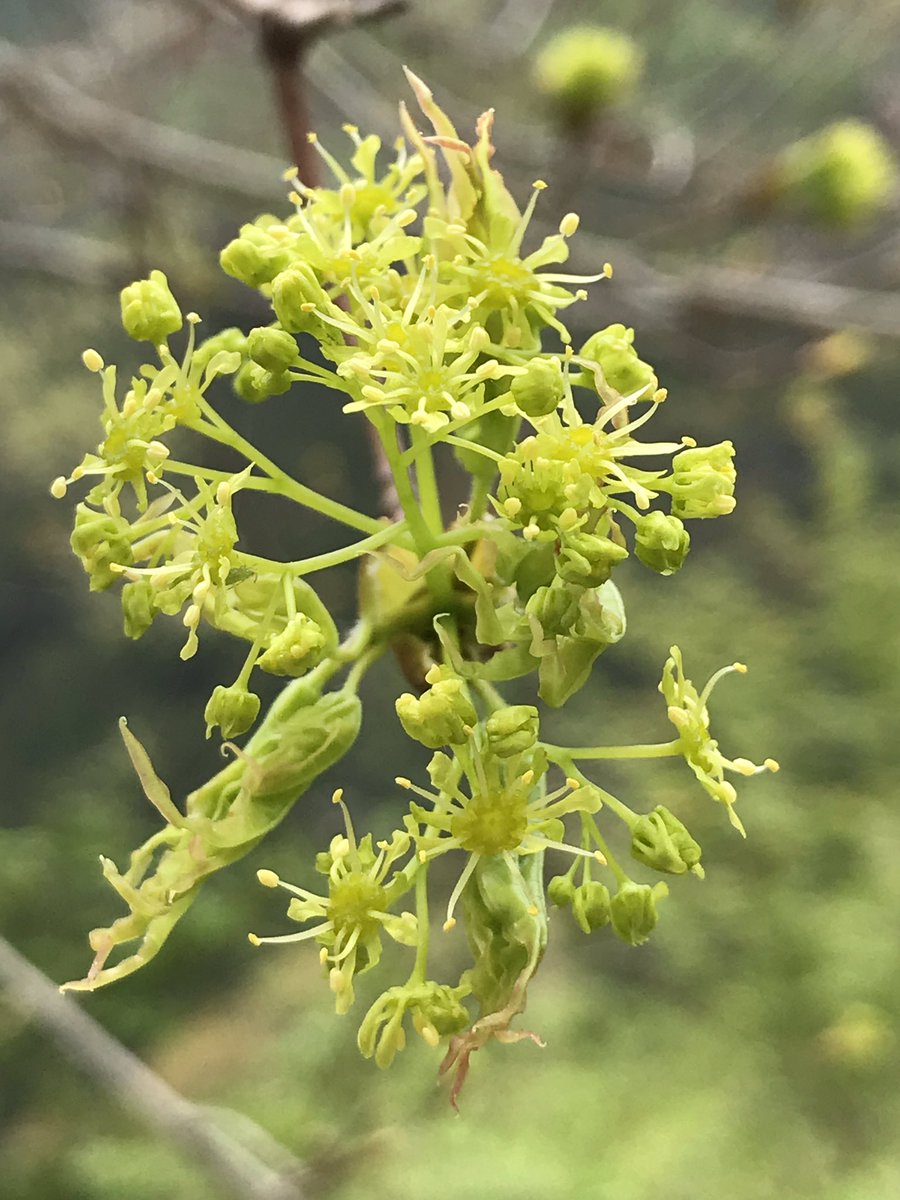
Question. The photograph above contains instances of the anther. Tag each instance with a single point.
(772, 764)
(741, 668)
(58, 487)
(92, 360)
(254, 940)
(608, 270)
(449, 924)
(403, 782)
(268, 878)
(601, 858)
(569, 224)
(337, 795)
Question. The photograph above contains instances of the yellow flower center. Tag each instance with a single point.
(492, 823)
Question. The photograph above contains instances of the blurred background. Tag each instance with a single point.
(750, 1049)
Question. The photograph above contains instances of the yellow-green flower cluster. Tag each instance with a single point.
(438, 321)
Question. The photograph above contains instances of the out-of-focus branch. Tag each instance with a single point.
(238, 1169)
(61, 253)
(310, 17)
(69, 114)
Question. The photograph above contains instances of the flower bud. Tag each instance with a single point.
(149, 310)
(296, 649)
(659, 840)
(702, 482)
(233, 709)
(254, 257)
(591, 906)
(661, 542)
(612, 350)
(137, 608)
(555, 608)
(560, 891)
(512, 730)
(633, 910)
(440, 716)
(588, 559)
(586, 68)
(291, 291)
(255, 384)
(228, 341)
(272, 349)
(100, 541)
(539, 391)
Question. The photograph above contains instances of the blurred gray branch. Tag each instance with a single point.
(239, 1169)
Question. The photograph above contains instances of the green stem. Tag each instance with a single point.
(656, 750)
(478, 498)
(589, 827)
(465, 444)
(333, 558)
(411, 510)
(612, 802)
(429, 496)
(286, 485)
(420, 967)
(464, 534)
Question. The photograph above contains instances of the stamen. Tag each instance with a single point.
(464, 878)
(284, 938)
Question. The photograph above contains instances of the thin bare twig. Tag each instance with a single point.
(238, 1169)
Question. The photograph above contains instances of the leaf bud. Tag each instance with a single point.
(841, 175)
(101, 541)
(661, 542)
(296, 649)
(255, 384)
(149, 310)
(632, 910)
(440, 716)
(539, 391)
(137, 608)
(587, 558)
(233, 709)
(613, 352)
(591, 906)
(512, 730)
(702, 482)
(272, 349)
(586, 68)
(659, 840)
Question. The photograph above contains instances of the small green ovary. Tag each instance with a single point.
(352, 902)
(504, 280)
(491, 823)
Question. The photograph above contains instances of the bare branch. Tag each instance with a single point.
(61, 253)
(243, 1173)
(66, 112)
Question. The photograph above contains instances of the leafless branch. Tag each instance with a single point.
(61, 253)
(239, 1170)
(68, 113)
